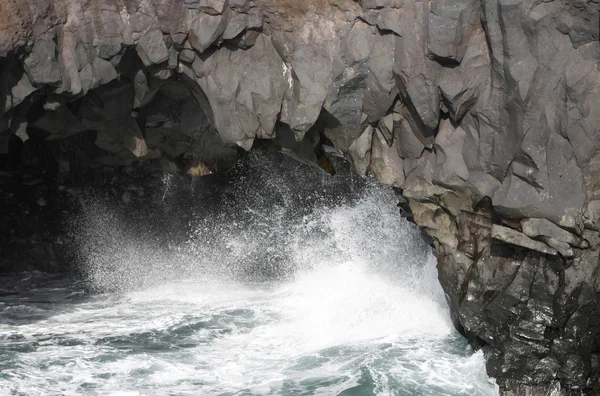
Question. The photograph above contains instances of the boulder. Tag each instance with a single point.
(207, 29)
(41, 65)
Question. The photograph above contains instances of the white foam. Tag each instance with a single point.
(342, 306)
(361, 300)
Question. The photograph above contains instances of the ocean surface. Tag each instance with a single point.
(339, 298)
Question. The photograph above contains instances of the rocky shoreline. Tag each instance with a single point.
(484, 113)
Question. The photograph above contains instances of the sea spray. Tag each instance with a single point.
(275, 291)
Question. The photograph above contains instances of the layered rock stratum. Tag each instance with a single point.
(484, 113)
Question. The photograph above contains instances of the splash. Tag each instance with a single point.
(292, 288)
(273, 218)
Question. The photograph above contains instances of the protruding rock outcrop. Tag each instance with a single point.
(486, 113)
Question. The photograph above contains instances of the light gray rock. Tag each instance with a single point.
(110, 29)
(360, 151)
(409, 146)
(369, 4)
(543, 227)
(389, 19)
(461, 86)
(582, 88)
(187, 55)
(248, 38)
(19, 92)
(449, 144)
(103, 72)
(19, 128)
(562, 195)
(343, 105)
(207, 29)
(40, 65)
(249, 83)
(173, 58)
(386, 127)
(236, 25)
(414, 72)
(513, 237)
(307, 71)
(386, 164)
(213, 7)
(561, 247)
(151, 47)
(381, 90)
(451, 23)
(238, 4)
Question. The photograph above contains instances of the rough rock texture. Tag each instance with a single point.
(485, 113)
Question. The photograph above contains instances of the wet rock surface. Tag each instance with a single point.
(484, 113)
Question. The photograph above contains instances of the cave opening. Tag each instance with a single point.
(120, 204)
(275, 264)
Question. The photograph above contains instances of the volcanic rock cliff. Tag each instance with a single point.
(485, 113)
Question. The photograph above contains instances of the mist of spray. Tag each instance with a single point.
(272, 218)
(275, 280)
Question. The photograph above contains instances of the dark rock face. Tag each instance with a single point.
(532, 312)
(485, 113)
